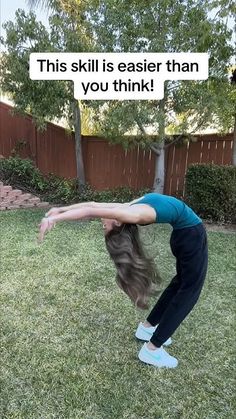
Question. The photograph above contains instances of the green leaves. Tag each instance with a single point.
(45, 100)
(211, 191)
(165, 26)
(47, 4)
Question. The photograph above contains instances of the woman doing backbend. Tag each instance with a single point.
(136, 273)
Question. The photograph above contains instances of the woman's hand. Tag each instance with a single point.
(46, 225)
(53, 211)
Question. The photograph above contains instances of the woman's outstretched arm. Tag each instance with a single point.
(127, 214)
(92, 204)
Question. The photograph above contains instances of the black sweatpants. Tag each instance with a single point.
(189, 246)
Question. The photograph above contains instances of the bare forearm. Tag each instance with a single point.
(71, 215)
(91, 205)
(118, 213)
(76, 206)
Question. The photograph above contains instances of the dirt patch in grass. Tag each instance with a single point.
(221, 228)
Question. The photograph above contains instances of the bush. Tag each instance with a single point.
(211, 191)
(21, 173)
(59, 190)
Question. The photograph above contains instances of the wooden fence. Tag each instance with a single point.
(106, 165)
(207, 149)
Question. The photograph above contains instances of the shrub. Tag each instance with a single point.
(59, 190)
(22, 173)
(211, 191)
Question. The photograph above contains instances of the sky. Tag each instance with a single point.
(9, 7)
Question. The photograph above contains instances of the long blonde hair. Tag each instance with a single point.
(136, 273)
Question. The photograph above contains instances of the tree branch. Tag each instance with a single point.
(155, 150)
(140, 125)
(181, 135)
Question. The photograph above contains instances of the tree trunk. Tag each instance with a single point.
(78, 146)
(159, 179)
(234, 143)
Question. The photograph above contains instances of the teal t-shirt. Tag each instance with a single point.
(170, 210)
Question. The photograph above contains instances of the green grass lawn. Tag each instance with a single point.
(67, 331)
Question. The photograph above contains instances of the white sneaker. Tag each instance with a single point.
(145, 333)
(159, 357)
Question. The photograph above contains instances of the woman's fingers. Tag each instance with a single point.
(41, 234)
(50, 226)
(46, 225)
(42, 231)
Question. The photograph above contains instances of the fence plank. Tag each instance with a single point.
(228, 152)
(17, 133)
